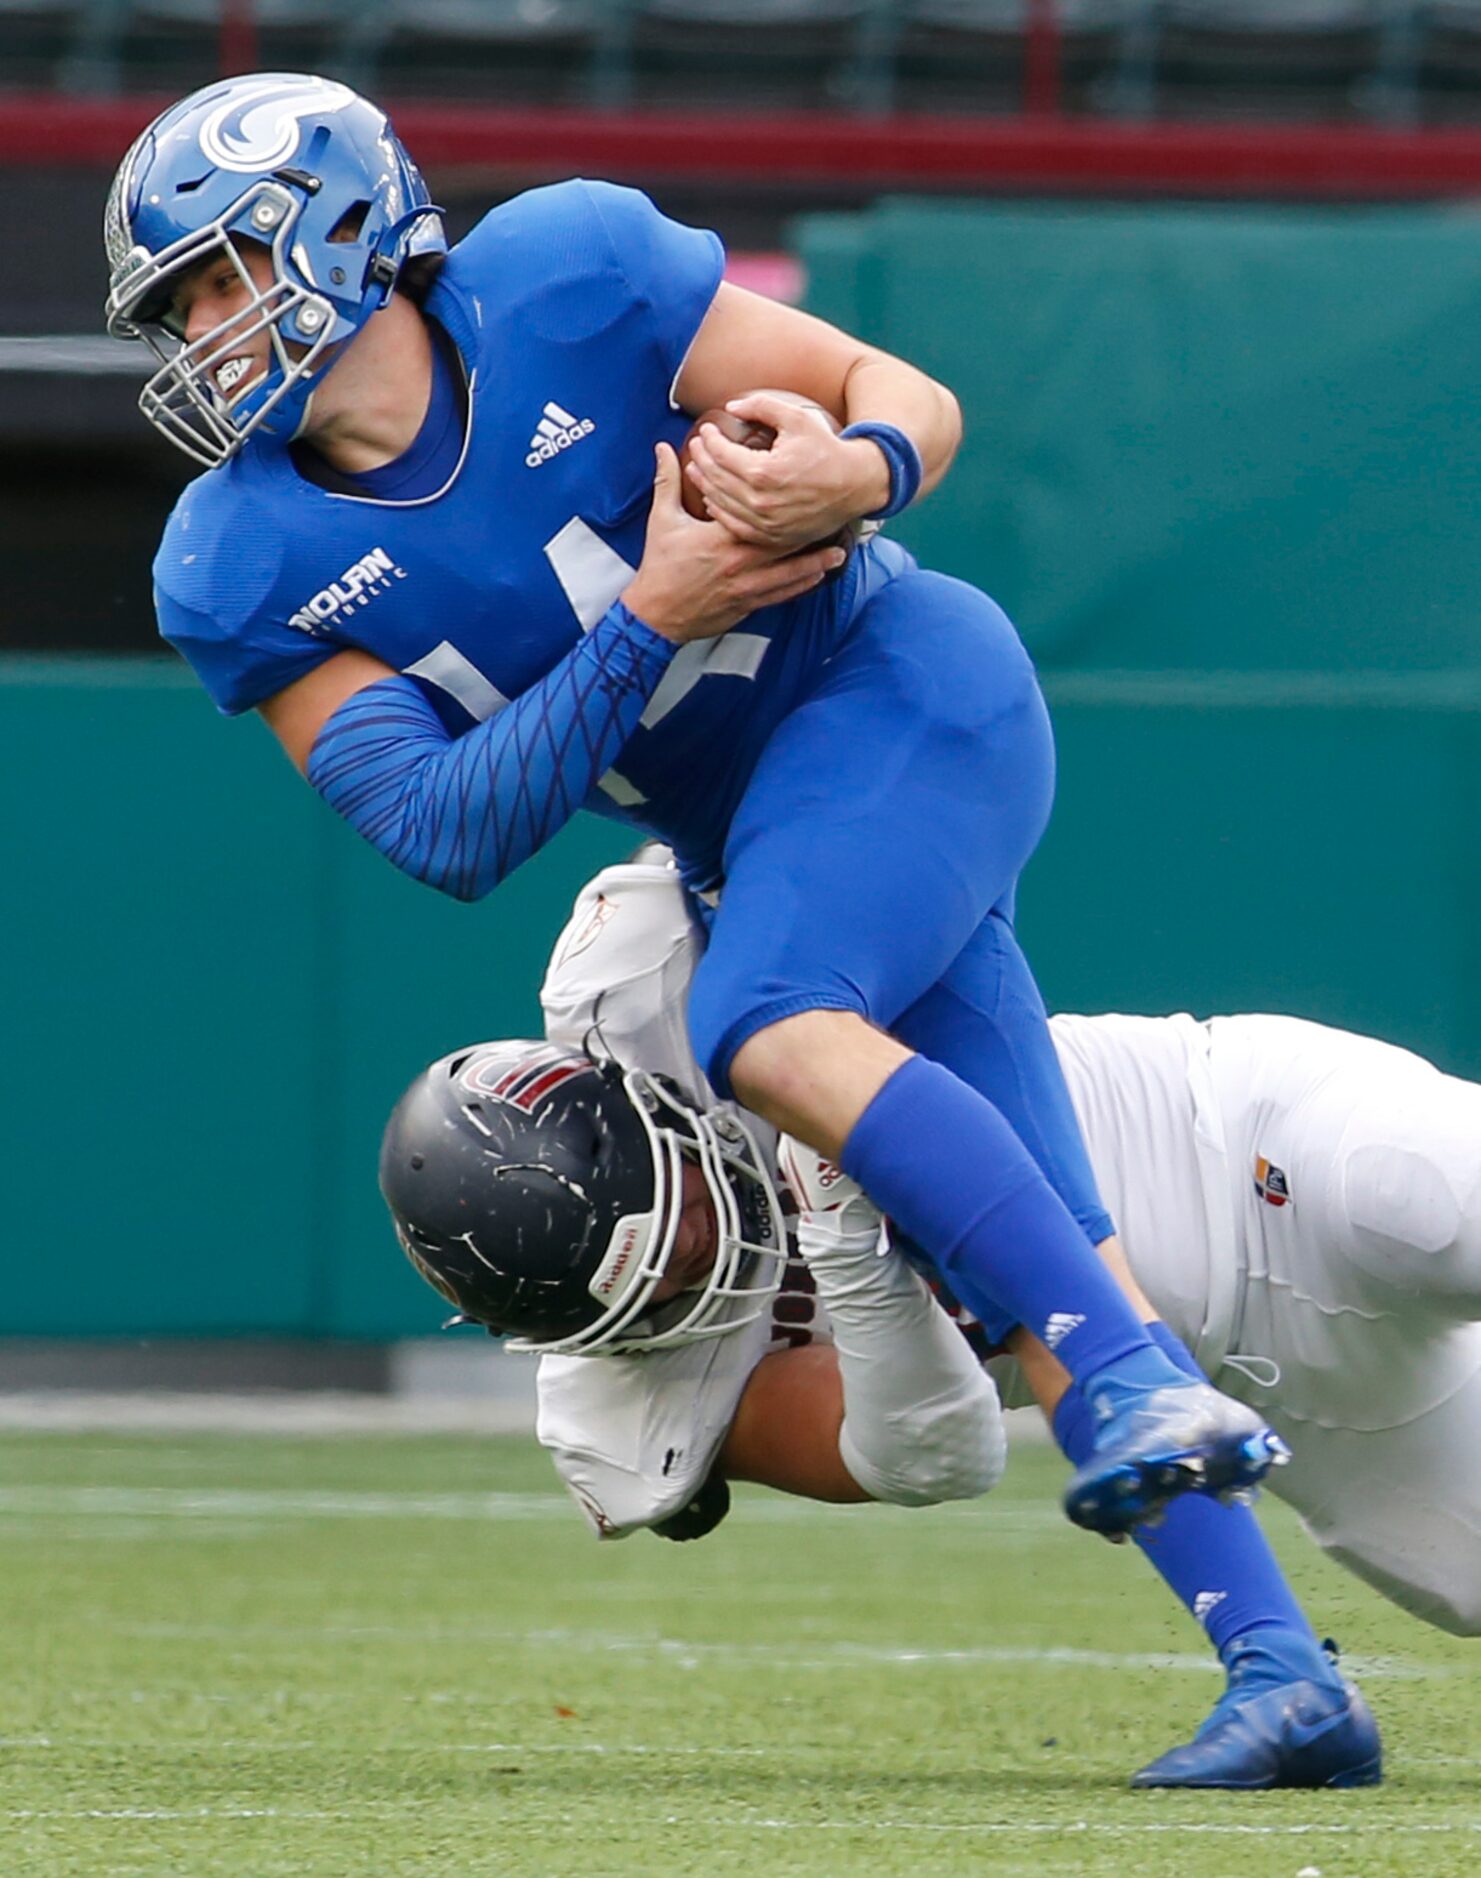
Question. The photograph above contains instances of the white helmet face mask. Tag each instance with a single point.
(751, 1251)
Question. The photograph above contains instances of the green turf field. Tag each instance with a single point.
(261, 1656)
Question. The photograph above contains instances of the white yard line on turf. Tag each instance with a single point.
(509, 1410)
(844, 1654)
(205, 1502)
(274, 1502)
(327, 1412)
(1367, 1827)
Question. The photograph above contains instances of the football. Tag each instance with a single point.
(758, 436)
(742, 430)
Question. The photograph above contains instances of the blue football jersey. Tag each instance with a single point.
(865, 769)
(572, 308)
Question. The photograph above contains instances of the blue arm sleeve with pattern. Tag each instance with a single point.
(461, 813)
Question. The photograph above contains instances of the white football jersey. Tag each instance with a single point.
(1354, 1186)
(1302, 1206)
(634, 1436)
(1144, 1097)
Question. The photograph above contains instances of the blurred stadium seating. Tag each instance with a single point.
(1321, 60)
(1443, 50)
(1328, 58)
(765, 53)
(978, 54)
(540, 51)
(177, 42)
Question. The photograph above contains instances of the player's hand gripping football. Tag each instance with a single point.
(810, 484)
(696, 581)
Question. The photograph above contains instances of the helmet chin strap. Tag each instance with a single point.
(303, 422)
(383, 267)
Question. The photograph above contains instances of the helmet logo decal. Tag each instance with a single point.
(526, 1081)
(260, 126)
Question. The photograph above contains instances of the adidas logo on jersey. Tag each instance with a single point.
(1207, 1601)
(1059, 1326)
(555, 432)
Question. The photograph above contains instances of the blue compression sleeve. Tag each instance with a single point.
(461, 813)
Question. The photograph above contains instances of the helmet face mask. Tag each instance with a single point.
(311, 173)
(542, 1194)
(749, 1252)
(182, 399)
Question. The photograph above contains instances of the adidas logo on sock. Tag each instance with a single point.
(1205, 1602)
(1059, 1326)
(556, 431)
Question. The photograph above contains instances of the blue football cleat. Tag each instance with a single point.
(1286, 1719)
(1155, 1443)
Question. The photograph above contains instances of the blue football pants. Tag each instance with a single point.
(872, 862)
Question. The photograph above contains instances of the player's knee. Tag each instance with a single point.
(775, 1066)
(954, 1448)
(781, 1071)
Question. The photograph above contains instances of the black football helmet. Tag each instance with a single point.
(540, 1192)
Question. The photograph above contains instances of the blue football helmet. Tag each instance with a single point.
(311, 173)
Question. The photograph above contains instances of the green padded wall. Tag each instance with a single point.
(1238, 842)
(1194, 438)
(161, 1000)
(214, 991)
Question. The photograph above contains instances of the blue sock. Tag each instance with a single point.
(1214, 1557)
(944, 1164)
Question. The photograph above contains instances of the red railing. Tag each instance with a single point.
(1035, 154)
